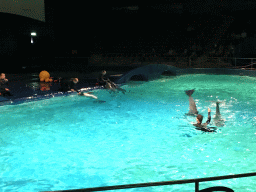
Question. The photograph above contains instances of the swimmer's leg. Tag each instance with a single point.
(90, 95)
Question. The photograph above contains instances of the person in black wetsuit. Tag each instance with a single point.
(68, 84)
(4, 91)
(101, 80)
(203, 126)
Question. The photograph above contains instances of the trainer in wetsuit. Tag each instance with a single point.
(69, 84)
(203, 126)
(101, 79)
(4, 91)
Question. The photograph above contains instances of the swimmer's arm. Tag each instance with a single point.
(74, 90)
(209, 116)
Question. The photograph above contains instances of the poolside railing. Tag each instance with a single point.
(248, 62)
(154, 184)
(180, 61)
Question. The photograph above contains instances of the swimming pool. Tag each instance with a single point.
(72, 142)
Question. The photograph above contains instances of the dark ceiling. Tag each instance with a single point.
(93, 25)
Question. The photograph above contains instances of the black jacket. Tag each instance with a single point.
(67, 85)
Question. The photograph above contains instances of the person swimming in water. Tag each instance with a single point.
(199, 118)
(203, 126)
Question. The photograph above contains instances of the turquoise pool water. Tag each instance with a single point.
(72, 142)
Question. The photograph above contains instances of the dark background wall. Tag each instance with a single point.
(128, 26)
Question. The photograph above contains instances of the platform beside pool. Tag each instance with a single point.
(29, 89)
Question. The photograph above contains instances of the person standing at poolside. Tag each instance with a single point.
(4, 91)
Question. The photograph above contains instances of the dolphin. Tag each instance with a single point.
(192, 104)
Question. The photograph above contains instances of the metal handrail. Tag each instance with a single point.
(151, 184)
(242, 67)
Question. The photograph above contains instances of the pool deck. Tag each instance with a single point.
(26, 86)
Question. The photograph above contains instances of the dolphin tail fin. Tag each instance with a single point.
(189, 92)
